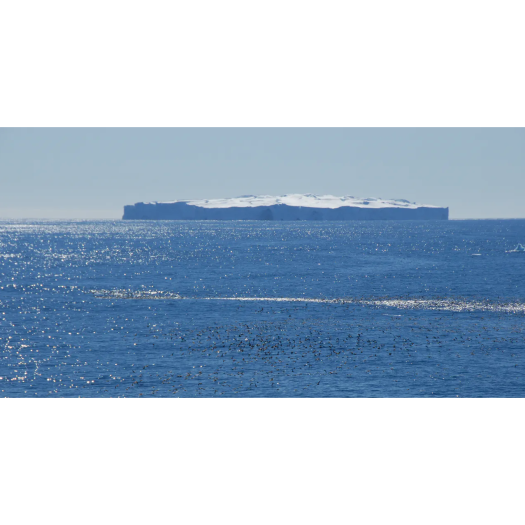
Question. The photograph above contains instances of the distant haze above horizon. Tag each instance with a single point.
(93, 172)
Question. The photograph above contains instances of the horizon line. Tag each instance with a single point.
(219, 220)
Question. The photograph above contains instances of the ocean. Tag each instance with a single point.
(262, 309)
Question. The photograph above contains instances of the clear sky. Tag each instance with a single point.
(94, 172)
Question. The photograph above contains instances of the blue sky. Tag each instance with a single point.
(94, 172)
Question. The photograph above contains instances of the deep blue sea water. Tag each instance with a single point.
(262, 309)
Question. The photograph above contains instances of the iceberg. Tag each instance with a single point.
(292, 207)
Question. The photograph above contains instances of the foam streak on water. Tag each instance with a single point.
(453, 305)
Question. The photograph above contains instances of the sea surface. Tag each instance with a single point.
(262, 309)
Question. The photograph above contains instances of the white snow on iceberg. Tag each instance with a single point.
(307, 200)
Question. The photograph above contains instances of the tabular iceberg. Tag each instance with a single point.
(294, 207)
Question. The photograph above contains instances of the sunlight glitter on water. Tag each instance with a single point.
(115, 309)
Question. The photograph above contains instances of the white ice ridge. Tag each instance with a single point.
(307, 200)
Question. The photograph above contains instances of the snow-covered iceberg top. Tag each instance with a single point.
(307, 200)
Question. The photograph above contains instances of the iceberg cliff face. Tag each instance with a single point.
(285, 208)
